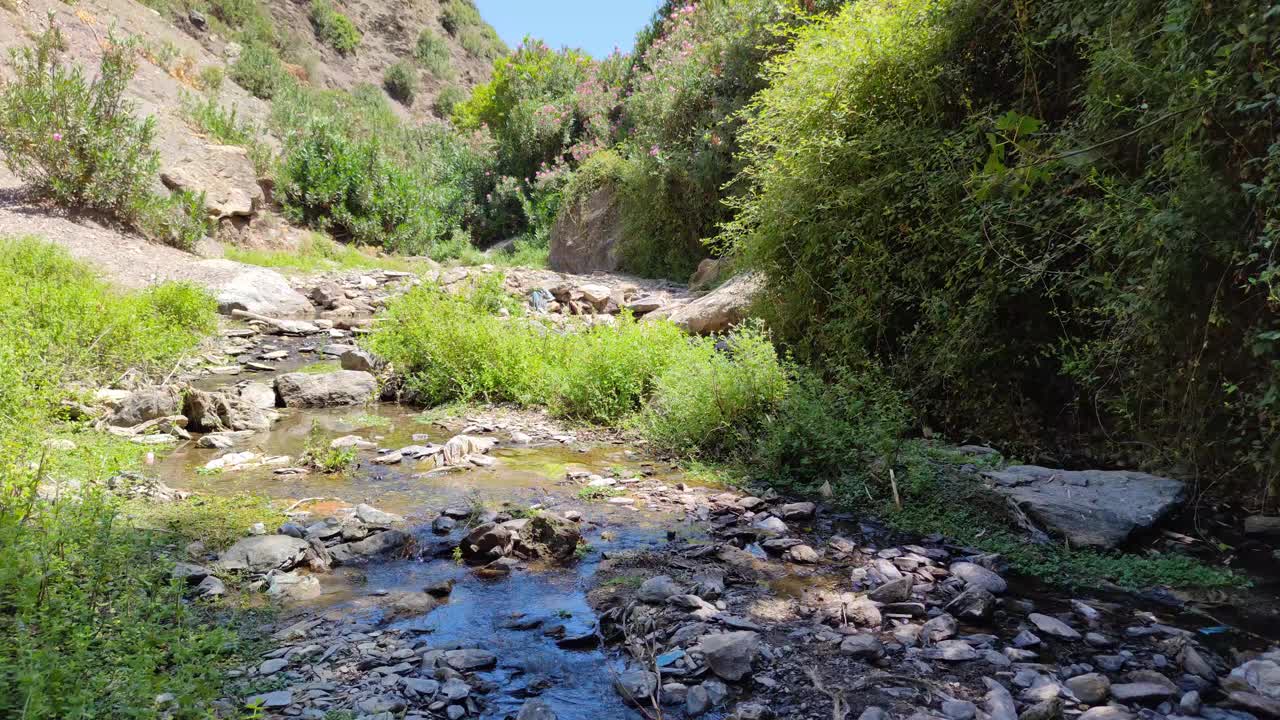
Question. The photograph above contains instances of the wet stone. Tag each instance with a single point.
(1053, 627)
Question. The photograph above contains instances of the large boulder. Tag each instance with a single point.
(719, 309)
(550, 538)
(344, 387)
(254, 289)
(145, 404)
(261, 553)
(730, 655)
(586, 234)
(1090, 508)
(224, 173)
(223, 411)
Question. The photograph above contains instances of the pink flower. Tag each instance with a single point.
(57, 137)
(653, 151)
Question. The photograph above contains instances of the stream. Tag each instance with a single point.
(519, 617)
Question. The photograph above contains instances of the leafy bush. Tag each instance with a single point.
(456, 348)
(1048, 247)
(333, 28)
(76, 141)
(433, 52)
(712, 403)
(92, 625)
(447, 99)
(259, 70)
(401, 82)
(351, 168)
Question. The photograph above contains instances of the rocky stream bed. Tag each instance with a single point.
(496, 565)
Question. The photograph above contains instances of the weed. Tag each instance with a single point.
(432, 52)
(401, 82)
(259, 70)
(601, 492)
(318, 253)
(333, 28)
(318, 453)
(217, 521)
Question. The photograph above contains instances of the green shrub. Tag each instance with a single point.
(178, 219)
(73, 140)
(447, 99)
(210, 78)
(457, 349)
(248, 19)
(455, 15)
(1049, 247)
(433, 52)
(712, 403)
(333, 28)
(844, 429)
(208, 116)
(259, 70)
(401, 81)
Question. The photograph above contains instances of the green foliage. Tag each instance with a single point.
(600, 374)
(1054, 226)
(61, 324)
(447, 99)
(432, 52)
(320, 455)
(712, 402)
(401, 82)
(178, 219)
(835, 430)
(350, 167)
(333, 28)
(92, 626)
(217, 521)
(259, 70)
(78, 142)
(317, 253)
(591, 494)
(224, 125)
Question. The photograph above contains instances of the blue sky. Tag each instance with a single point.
(593, 25)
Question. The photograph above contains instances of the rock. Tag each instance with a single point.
(657, 589)
(352, 441)
(803, 554)
(586, 234)
(461, 447)
(874, 713)
(696, 701)
(224, 173)
(375, 544)
(1090, 688)
(486, 543)
(770, 524)
(222, 411)
(730, 655)
(359, 360)
(1053, 626)
(974, 604)
(938, 628)
(443, 525)
(1141, 692)
(374, 517)
(455, 689)
(144, 404)
(293, 586)
(952, 651)
(707, 273)
(636, 686)
(263, 552)
(1267, 526)
(550, 538)
(1255, 703)
(798, 511)
(720, 309)
(894, 591)
(272, 666)
(750, 711)
(1050, 709)
(344, 387)
(211, 587)
(256, 290)
(959, 709)
(1190, 703)
(1090, 508)
(259, 395)
(980, 577)
(862, 646)
(1106, 712)
(998, 701)
(536, 709)
(189, 573)
(271, 700)
(470, 659)
(1260, 676)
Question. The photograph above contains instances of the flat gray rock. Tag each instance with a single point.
(343, 387)
(263, 552)
(1053, 626)
(1090, 508)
